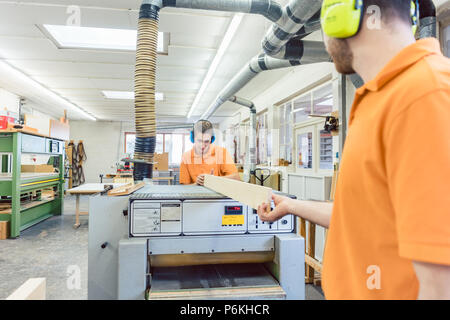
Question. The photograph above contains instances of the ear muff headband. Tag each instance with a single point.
(342, 18)
(414, 15)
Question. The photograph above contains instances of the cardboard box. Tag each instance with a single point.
(162, 161)
(37, 168)
(4, 230)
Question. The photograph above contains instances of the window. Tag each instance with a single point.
(326, 150)
(305, 150)
(285, 133)
(173, 143)
(159, 148)
(130, 140)
(323, 100)
(187, 142)
(310, 148)
(302, 108)
(262, 136)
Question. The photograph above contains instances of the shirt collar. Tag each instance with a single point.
(404, 59)
(211, 152)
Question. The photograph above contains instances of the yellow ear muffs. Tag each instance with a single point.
(414, 15)
(341, 18)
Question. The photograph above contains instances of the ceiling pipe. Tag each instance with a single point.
(310, 26)
(428, 20)
(189, 126)
(297, 48)
(257, 65)
(250, 159)
(267, 8)
(295, 15)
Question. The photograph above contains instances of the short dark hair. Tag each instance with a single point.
(391, 9)
(203, 126)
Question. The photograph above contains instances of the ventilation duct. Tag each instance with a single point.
(428, 20)
(292, 20)
(250, 161)
(261, 63)
(295, 15)
(269, 9)
(144, 87)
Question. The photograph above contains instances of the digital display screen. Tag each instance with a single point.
(233, 209)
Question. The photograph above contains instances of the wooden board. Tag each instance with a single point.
(91, 188)
(4, 230)
(126, 189)
(271, 293)
(32, 289)
(37, 168)
(162, 161)
(28, 205)
(246, 193)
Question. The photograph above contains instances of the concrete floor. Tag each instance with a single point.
(54, 250)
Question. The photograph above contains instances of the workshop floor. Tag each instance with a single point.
(56, 251)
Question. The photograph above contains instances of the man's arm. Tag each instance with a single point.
(316, 212)
(434, 281)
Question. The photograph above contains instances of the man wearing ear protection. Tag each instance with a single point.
(389, 226)
(205, 157)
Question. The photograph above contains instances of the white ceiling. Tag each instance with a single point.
(81, 75)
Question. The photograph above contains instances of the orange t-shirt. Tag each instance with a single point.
(217, 159)
(392, 204)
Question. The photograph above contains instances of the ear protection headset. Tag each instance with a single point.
(213, 137)
(342, 18)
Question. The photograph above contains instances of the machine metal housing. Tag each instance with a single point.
(176, 226)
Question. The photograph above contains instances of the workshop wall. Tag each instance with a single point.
(9, 101)
(103, 142)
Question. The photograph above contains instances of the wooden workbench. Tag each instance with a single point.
(87, 189)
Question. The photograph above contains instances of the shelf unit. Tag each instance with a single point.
(14, 183)
(326, 150)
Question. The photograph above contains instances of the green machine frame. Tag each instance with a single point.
(14, 184)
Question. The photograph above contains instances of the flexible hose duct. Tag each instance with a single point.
(261, 63)
(295, 15)
(250, 161)
(428, 20)
(144, 86)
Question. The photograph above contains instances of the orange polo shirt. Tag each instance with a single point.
(392, 203)
(217, 159)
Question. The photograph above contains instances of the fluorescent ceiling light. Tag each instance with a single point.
(231, 31)
(10, 72)
(128, 95)
(72, 37)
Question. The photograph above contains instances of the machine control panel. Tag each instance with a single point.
(157, 218)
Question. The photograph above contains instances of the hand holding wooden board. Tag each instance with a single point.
(246, 193)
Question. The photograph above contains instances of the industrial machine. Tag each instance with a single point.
(182, 242)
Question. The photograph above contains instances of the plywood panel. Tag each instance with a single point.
(246, 193)
(32, 289)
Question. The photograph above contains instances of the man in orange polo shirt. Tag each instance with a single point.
(205, 157)
(389, 226)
